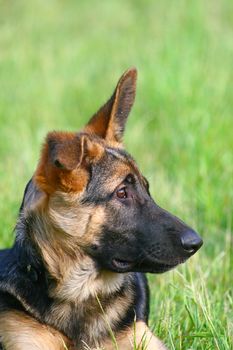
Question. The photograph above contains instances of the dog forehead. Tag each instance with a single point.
(117, 153)
(112, 169)
(117, 162)
(124, 160)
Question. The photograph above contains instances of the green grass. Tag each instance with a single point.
(59, 60)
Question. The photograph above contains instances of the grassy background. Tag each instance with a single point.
(59, 60)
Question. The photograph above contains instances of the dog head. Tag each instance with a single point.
(98, 202)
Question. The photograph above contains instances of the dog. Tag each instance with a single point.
(87, 232)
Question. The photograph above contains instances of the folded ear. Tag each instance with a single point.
(68, 151)
(65, 150)
(109, 122)
(65, 160)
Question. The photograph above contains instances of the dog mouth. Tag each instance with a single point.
(159, 268)
(122, 265)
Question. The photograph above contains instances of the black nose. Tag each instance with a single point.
(190, 241)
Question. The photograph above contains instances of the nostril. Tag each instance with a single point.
(190, 241)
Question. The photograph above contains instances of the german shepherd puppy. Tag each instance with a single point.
(87, 232)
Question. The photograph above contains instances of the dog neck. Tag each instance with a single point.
(78, 291)
(75, 276)
(83, 301)
(83, 281)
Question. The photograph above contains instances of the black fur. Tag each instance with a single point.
(131, 232)
(24, 284)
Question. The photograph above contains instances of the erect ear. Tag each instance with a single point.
(109, 122)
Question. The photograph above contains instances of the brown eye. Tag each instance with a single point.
(121, 193)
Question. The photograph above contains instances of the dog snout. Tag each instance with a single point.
(191, 241)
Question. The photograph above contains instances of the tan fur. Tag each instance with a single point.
(67, 215)
(120, 173)
(21, 332)
(60, 240)
(97, 220)
(100, 317)
(140, 335)
(81, 281)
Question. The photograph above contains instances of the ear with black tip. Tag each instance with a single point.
(109, 122)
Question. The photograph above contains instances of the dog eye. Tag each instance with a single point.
(122, 193)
